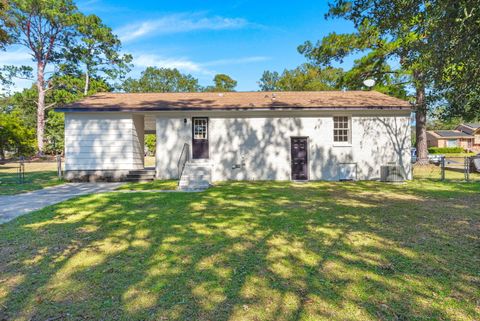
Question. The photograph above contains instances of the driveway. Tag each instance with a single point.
(12, 206)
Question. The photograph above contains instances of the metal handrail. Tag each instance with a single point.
(184, 158)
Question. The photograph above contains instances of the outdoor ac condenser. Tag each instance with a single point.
(391, 173)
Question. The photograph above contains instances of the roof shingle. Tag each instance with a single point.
(236, 100)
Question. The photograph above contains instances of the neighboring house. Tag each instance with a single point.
(449, 138)
(471, 129)
(327, 135)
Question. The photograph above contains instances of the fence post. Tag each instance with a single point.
(442, 165)
(467, 169)
(21, 170)
(59, 166)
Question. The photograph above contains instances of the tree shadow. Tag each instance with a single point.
(257, 251)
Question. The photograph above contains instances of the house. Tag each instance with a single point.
(471, 129)
(329, 135)
(449, 138)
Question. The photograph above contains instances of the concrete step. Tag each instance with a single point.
(143, 171)
(138, 180)
(141, 176)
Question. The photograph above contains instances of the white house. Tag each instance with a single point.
(328, 135)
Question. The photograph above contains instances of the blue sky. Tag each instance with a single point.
(241, 38)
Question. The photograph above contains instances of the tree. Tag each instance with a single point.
(5, 24)
(385, 30)
(42, 27)
(15, 136)
(222, 83)
(303, 78)
(455, 43)
(64, 89)
(162, 80)
(98, 50)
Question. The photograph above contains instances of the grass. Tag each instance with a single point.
(37, 176)
(155, 185)
(249, 251)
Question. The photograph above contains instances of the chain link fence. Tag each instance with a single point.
(446, 168)
(27, 171)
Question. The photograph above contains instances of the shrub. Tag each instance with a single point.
(445, 150)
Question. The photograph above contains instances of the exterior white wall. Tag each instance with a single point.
(262, 143)
(103, 141)
(138, 142)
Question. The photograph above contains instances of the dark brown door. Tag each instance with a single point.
(299, 158)
(199, 138)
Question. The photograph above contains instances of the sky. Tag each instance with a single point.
(241, 38)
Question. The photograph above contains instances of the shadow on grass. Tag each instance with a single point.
(256, 251)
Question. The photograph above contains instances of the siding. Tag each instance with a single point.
(262, 144)
(101, 141)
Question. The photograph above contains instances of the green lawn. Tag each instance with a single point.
(37, 176)
(155, 185)
(249, 251)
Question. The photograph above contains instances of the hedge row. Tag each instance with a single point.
(445, 150)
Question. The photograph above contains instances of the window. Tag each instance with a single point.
(341, 129)
(200, 128)
(452, 143)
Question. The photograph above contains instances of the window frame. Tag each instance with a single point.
(203, 132)
(348, 129)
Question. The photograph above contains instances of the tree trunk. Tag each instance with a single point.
(421, 120)
(40, 107)
(87, 83)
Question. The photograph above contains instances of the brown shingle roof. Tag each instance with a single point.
(236, 100)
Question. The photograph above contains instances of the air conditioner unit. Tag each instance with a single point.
(391, 173)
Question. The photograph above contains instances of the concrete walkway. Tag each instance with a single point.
(12, 206)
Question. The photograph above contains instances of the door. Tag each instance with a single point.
(199, 138)
(299, 156)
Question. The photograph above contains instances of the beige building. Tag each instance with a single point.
(449, 138)
(471, 129)
(330, 135)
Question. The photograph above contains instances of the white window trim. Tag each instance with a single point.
(350, 129)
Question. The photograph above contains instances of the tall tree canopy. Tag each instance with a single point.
(455, 42)
(385, 30)
(162, 80)
(96, 52)
(303, 78)
(58, 35)
(222, 83)
(5, 24)
(42, 27)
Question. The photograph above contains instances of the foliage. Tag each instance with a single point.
(437, 119)
(6, 23)
(303, 78)
(163, 80)
(65, 89)
(445, 150)
(16, 138)
(98, 50)
(249, 251)
(222, 83)
(386, 30)
(151, 143)
(455, 56)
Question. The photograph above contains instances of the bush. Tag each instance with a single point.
(445, 150)
(151, 144)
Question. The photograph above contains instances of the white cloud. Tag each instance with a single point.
(152, 60)
(177, 23)
(17, 57)
(236, 61)
(186, 65)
